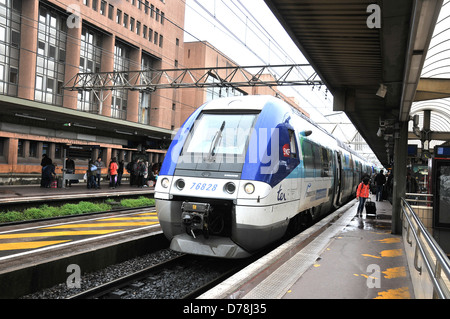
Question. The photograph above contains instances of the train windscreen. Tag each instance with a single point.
(225, 134)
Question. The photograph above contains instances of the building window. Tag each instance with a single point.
(103, 7)
(10, 13)
(50, 60)
(119, 17)
(145, 97)
(21, 148)
(161, 40)
(162, 17)
(2, 146)
(144, 32)
(90, 61)
(32, 150)
(110, 11)
(59, 148)
(119, 97)
(138, 28)
(150, 34)
(125, 20)
(132, 24)
(95, 5)
(152, 10)
(45, 149)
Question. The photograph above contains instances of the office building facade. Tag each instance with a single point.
(44, 44)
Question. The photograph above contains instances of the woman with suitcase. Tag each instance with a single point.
(362, 193)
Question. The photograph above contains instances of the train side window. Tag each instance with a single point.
(308, 160)
(317, 160)
(292, 145)
(325, 162)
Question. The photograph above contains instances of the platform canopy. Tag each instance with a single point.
(369, 54)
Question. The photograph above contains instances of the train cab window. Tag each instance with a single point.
(293, 146)
(220, 134)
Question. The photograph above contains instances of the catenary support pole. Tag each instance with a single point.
(400, 162)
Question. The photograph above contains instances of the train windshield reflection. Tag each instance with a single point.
(220, 134)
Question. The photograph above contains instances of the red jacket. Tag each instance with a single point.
(363, 190)
(113, 168)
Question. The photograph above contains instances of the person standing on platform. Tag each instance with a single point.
(44, 162)
(112, 172)
(70, 169)
(48, 174)
(99, 165)
(142, 171)
(120, 173)
(362, 193)
(91, 175)
(380, 180)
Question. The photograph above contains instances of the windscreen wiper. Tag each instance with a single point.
(215, 141)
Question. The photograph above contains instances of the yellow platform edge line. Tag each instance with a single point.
(128, 218)
(93, 225)
(60, 233)
(30, 245)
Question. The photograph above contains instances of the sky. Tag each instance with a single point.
(247, 32)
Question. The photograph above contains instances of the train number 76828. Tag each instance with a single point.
(204, 187)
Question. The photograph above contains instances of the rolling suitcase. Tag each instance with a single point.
(371, 208)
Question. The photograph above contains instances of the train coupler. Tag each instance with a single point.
(195, 218)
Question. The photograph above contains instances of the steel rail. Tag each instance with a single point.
(104, 289)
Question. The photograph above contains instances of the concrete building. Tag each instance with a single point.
(43, 44)
(204, 55)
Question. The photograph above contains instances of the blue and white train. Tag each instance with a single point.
(243, 171)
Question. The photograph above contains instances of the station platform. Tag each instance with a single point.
(18, 194)
(340, 257)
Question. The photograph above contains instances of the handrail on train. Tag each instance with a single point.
(437, 262)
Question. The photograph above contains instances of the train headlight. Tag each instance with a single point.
(165, 182)
(249, 188)
(229, 187)
(180, 184)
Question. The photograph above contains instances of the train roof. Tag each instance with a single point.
(247, 102)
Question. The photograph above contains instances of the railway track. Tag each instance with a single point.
(182, 277)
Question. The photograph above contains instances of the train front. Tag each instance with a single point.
(205, 204)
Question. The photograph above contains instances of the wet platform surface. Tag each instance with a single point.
(345, 257)
(364, 261)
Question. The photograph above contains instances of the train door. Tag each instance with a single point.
(292, 165)
(337, 179)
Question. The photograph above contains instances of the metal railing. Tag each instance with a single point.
(424, 251)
